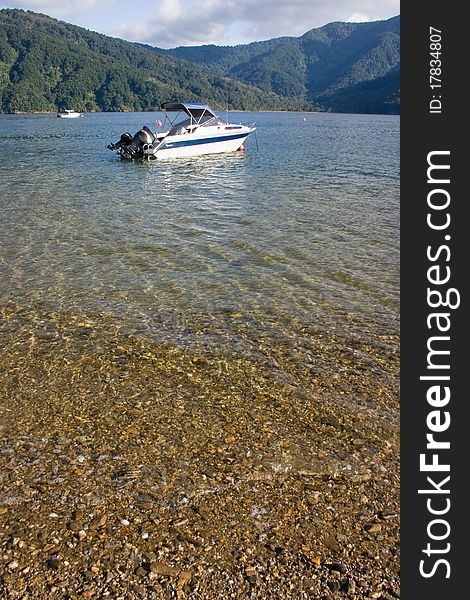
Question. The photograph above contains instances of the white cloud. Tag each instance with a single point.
(184, 22)
(176, 22)
(357, 18)
(56, 7)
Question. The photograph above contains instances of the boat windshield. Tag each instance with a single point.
(205, 121)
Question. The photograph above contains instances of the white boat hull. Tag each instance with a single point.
(70, 115)
(188, 145)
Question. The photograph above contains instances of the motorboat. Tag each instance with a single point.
(193, 129)
(69, 114)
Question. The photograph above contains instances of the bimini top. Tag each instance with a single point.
(193, 109)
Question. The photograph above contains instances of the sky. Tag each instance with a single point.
(171, 23)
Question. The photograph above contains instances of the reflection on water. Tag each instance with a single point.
(303, 231)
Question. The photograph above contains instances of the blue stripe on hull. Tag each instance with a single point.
(211, 140)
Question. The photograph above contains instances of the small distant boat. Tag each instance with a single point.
(200, 132)
(69, 114)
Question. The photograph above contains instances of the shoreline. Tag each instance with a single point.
(221, 111)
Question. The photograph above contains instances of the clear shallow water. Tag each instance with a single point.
(193, 344)
(304, 230)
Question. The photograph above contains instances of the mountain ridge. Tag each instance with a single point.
(323, 63)
(46, 65)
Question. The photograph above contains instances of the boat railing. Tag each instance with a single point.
(245, 124)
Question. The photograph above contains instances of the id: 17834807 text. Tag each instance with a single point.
(435, 70)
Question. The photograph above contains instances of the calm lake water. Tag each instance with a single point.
(302, 232)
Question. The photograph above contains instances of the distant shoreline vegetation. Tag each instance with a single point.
(48, 65)
(220, 111)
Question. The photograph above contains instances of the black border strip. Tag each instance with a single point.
(424, 132)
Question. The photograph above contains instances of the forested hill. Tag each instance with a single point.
(350, 67)
(47, 65)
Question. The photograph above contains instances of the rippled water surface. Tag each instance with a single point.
(303, 229)
(199, 361)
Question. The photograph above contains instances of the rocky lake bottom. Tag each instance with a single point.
(133, 468)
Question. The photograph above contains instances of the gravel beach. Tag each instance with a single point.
(138, 468)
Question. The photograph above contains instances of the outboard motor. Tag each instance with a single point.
(145, 135)
(124, 140)
(133, 147)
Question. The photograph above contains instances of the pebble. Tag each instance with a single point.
(160, 568)
(333, 585)
(388, 514)
(145, 500)
(340, 568)
(53, 563)
(109, 576)
(183, 577)
(82, 534)
(374, 528)
(47, 335)
(98, 522)
(13, 565)
(331, 543)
